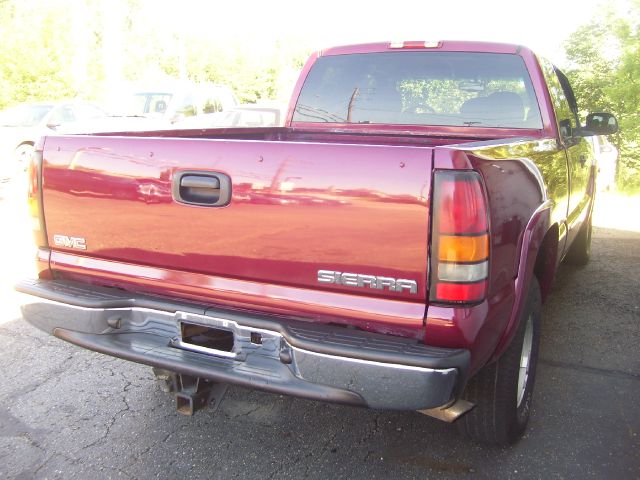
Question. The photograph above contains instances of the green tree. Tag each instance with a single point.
(53, 49)
(605, 73)
(30, 68)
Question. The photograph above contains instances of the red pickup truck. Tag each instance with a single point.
(389, 247)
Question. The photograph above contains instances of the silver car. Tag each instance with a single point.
(21, 126)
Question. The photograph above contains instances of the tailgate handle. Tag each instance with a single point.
(193, 181)
(207, 189)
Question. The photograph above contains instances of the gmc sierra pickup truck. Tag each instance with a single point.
(389, 247)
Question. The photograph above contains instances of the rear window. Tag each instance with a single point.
(420, 88)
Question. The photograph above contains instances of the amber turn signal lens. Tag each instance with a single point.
(454, 248)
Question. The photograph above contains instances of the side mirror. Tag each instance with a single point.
(601, 124)
(53, 126)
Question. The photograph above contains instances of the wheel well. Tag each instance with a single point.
(26, 143)
(546, 261)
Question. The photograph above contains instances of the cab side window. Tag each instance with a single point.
(562, 97)
(569, 95)
(212, 105)
(188, 107)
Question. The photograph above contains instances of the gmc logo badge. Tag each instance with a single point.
(78, 243)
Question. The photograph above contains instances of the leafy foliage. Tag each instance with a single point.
(606, 77)
(79, 48)
(54, 49)
(446, 95)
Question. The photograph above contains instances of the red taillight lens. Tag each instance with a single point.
(34, 200)
(460, 238)
(462, 208)
(461, 292)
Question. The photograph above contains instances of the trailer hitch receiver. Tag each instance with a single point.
(192, 393)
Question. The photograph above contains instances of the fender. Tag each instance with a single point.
(533, 236)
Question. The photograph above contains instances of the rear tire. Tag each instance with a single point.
(502, 391)
(580, 251)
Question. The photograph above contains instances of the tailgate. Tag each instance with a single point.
(294, 209)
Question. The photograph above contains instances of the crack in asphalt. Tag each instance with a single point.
(141, 455)
(593, 370)
(112, 421)
(72, 461)
(372, 431)
(324, 449)
(376, 426)
(116, 469)
(246, 414)
(55, 374)
(43, 341)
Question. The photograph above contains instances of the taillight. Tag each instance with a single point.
(34, 199)
(460, 238)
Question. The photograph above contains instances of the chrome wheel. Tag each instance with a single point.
(525, 359)
(503, 390)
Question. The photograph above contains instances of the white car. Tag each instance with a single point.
(247, 115)
(23, 125)
(162, 106)
(175, 101)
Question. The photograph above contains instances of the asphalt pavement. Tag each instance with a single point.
(69, 413)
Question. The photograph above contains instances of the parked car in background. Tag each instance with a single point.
(607, 159)
(176, 101)
(248, 115)
(21, 126)
(159, 107)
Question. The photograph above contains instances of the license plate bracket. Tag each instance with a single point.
(205, 339)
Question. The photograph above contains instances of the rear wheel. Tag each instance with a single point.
(503, 390)
(580, 251)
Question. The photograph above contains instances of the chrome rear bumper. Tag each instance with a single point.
(292, 357)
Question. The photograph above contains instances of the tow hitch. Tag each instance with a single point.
(192, 393)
